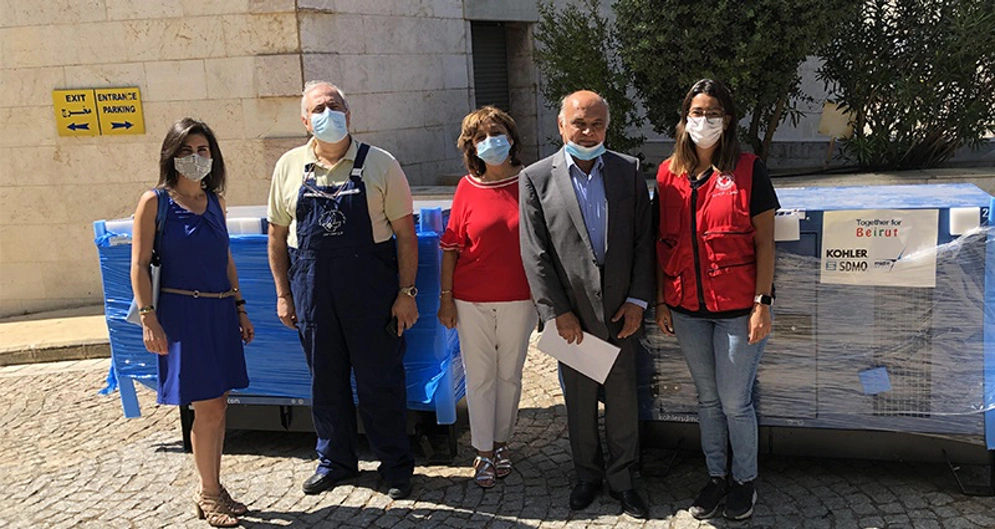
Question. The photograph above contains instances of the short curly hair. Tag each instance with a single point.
(472, 124)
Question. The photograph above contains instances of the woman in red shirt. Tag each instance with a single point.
(484, 291)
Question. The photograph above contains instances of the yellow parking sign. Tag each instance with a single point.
(75, 112)
(120, 110)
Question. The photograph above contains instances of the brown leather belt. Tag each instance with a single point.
(199, 294)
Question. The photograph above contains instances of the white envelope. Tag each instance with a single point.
(594, 357)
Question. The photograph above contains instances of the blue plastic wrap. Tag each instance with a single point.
(127, 349)
(869, 356)
(275, 361)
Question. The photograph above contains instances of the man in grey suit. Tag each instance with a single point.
(587, 246)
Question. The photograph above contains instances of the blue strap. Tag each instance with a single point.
(357, 164)
(162, 201)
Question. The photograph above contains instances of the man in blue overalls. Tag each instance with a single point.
(343, 251)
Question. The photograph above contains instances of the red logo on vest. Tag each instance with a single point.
(725, 181)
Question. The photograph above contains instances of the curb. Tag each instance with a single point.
(39, 355)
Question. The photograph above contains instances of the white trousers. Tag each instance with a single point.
(493, 338)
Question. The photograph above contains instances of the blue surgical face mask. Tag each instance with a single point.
(329, 126)
(494, 149)
(585, 153)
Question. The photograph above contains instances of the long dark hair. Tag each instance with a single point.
(173, 143)
(473, 122)
(685, 157)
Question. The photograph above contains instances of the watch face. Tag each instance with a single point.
(763, 299)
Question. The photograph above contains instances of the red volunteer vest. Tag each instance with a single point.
(705, 243)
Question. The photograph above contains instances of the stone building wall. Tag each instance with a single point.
(235, 64)
(406, 67)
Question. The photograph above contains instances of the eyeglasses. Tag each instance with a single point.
(709, 113)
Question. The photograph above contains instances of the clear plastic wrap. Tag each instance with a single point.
(872, 357)
(275, 361)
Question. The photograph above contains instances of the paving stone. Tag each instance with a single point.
(982, 519)
(817, 523)
(872, 522)
(864, 508)
(946, 512)
(856, 498)
(897, 520)
(780, 521)
(938, 498)
(912, 502)
(814, 512)
(925, 523)
(969, 507)
(133, 473)
(961, 523)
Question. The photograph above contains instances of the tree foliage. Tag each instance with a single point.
(918, 77)
(578, 50)
(754, 47)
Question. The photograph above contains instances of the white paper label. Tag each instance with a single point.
(880, 247)
(786, 225)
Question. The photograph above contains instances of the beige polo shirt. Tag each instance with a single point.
(387, 192)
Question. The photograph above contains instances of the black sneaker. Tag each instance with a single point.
(706, 505)
(742, 498)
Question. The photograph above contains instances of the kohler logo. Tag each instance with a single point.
(846, 253)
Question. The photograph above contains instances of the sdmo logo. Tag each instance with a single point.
(846, 259)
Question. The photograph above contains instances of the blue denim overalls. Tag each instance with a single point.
(344, 285)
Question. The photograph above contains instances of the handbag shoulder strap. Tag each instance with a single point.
(162, 204)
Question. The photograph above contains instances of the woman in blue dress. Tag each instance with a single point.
(200, 322)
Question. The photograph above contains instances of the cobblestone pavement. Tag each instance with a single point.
(68, 458)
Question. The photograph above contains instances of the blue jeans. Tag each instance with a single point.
(723, 365)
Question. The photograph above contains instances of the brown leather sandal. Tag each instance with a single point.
(502, 462)
(214, 510)
(234, 507)
(483, 472)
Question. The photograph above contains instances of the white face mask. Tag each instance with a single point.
(195, 167)
(705, 131)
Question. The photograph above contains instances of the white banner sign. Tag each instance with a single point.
(883, 247)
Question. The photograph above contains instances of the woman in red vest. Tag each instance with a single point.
(715, 286)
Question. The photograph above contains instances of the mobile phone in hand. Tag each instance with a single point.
(392, 327)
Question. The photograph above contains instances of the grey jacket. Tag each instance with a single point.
(556, 250)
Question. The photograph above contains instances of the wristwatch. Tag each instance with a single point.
(409, 291)
(764, 299)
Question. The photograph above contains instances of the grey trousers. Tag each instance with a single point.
(621, 422)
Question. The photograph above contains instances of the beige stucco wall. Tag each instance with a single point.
(405, 68)
(236, 64)
(405, 65)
